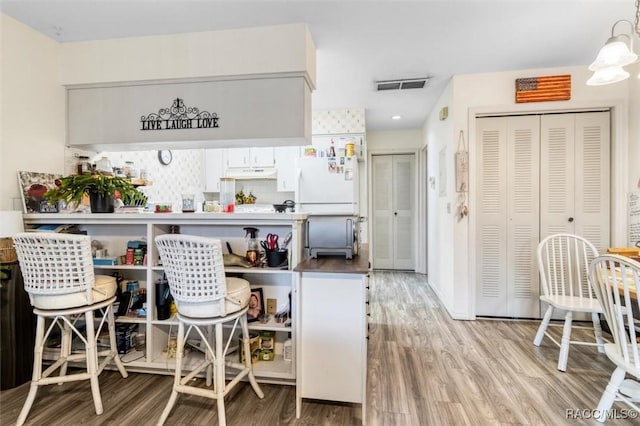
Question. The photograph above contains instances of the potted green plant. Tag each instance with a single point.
(102, 190)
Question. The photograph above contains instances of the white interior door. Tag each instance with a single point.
(393, 211)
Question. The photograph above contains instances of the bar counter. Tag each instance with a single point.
(337, 264)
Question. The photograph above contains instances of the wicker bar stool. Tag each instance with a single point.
(206, 300)
(58, 275)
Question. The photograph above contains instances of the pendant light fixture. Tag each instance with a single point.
(616, 53)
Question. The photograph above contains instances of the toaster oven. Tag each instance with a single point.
(332, 235)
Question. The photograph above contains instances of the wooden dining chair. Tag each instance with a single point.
(616, 280)
(563, 263)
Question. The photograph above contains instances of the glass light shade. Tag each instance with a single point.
(615, 52)
(607, 76)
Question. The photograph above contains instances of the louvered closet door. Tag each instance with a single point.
(491, 243)
(575, 184)
(403, 196)
(382, 200)
(393, 195)
(523, 210)
(508, 216)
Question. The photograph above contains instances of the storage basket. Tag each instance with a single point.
(7, 251)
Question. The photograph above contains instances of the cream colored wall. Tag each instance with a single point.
(247, 51)
(451, 245)
(390, 142)
(35, 69)
(394, 141)
(634, 128)
(32, 134)
(440, 224)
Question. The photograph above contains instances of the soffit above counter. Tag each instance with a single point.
(220, 113)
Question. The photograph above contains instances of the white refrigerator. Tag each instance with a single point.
(328, 185)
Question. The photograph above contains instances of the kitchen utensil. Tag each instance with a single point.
(287, 240)
(280, 208)
(272, 241)
(265, 246)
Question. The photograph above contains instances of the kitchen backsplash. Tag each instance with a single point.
(265, 191)
(184, 175)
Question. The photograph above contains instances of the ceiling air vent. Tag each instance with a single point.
(411, 83)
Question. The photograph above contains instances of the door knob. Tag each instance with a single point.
(570, 219)
(395, 213)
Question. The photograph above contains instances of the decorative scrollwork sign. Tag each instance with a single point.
(178, 117)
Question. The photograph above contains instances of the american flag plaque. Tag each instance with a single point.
(541, 89)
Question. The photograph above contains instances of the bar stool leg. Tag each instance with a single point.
(176, 377)
(247, 357)
(65, 345)
(92, 361)
(219, 377)
(209, 357)
(37, 371)
(113, 344)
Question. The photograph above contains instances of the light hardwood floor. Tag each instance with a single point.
(424, 369)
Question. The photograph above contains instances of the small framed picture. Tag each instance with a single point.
(256, 305)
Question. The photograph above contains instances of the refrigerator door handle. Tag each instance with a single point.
(306, 239)
(349, 232)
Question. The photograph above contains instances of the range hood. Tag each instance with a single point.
(252, 172)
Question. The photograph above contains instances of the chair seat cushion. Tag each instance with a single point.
(572, 303)
(238, 293)
(104, 288)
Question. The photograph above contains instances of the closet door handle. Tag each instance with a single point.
(570, 219)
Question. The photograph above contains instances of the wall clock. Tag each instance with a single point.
(165, 156)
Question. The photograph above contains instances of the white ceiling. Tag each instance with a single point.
(359, 42)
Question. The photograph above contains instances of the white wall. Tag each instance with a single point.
(452, 253)
(32, 134)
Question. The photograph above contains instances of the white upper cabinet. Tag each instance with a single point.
(285, 160)
(250, 157)
(214, 169)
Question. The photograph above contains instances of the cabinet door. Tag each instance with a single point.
(333, 337)
(285, 160)
(238, 157)
(214, 169)
(261, 157)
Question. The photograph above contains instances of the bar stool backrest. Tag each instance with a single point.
(55, 264)
(195, 270)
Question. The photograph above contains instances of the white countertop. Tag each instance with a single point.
(170, 218)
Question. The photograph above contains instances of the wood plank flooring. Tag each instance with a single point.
(424, 369)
